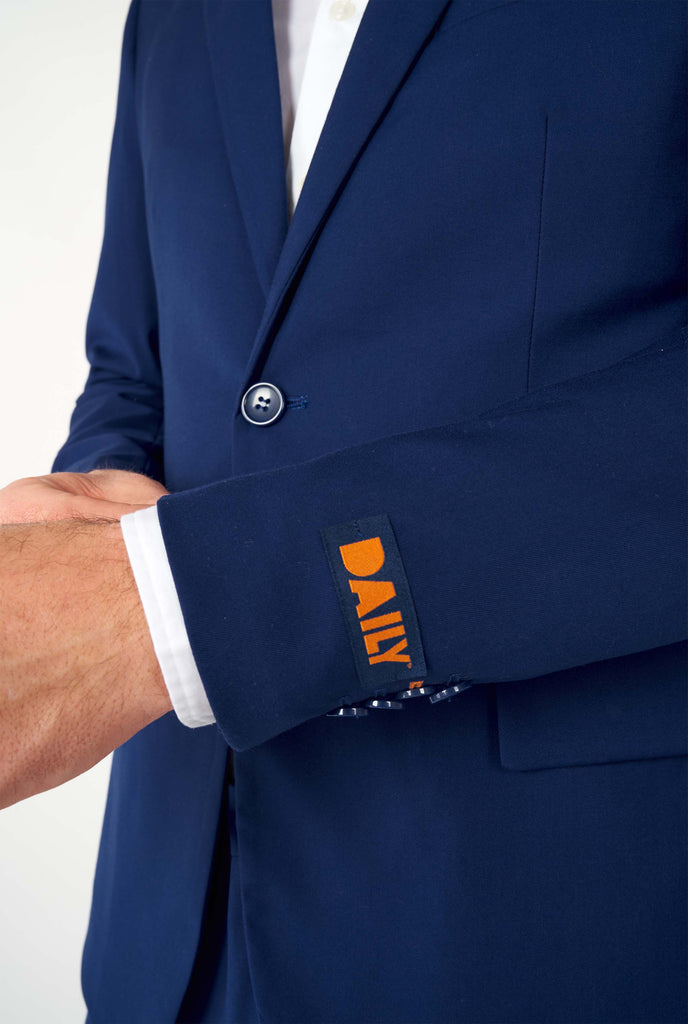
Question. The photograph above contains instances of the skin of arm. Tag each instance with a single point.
(78, 672)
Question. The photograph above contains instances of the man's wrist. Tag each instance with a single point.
(78, 673)
(95, 561)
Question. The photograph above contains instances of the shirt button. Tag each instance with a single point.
(342, 10)
(262, 404)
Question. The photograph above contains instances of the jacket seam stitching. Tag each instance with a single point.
(537, 258)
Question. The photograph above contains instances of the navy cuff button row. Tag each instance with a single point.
(436, 695)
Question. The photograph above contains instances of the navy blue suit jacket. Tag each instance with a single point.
(477, 316)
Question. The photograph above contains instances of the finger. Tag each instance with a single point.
(123, 486)
(72, 507)
(114, 485)
(99, 508)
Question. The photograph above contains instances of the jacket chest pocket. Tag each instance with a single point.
(624, 709)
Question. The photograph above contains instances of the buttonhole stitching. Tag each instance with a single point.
(300, 402)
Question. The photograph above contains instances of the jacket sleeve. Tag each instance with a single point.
(543, 535)
(117, 421)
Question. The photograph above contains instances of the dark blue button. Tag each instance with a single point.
(349, 712)
(383, 704)
(449, 692)
(417, 691)
(262, 404)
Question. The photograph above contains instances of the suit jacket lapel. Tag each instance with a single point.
(389, 40)
(242, 53)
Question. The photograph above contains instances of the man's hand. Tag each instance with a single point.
(78, 673)
(101, 494)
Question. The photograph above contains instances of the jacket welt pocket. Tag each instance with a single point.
(625, 709)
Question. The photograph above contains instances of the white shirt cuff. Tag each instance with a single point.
(148, 558)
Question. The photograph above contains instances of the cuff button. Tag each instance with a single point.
(449, 692)
(347, 712)
(383, 704)
(417, 691)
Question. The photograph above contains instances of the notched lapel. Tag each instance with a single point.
(389, 41)
(241, 45)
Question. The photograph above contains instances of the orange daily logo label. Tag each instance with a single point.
(375, 600)
(365, 558)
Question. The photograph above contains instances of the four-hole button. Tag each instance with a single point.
(262, 404)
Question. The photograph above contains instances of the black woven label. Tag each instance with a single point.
(376, 603)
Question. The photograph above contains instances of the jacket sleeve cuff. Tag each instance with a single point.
(148, 559)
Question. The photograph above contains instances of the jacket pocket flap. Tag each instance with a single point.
(619, 710)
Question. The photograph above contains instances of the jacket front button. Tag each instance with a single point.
(262, 404)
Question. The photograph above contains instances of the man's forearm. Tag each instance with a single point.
(78, 673)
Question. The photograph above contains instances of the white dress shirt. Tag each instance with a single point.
(313, 39)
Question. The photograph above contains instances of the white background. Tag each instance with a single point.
(59, 62)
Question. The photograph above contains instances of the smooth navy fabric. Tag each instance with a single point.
(477, 315)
